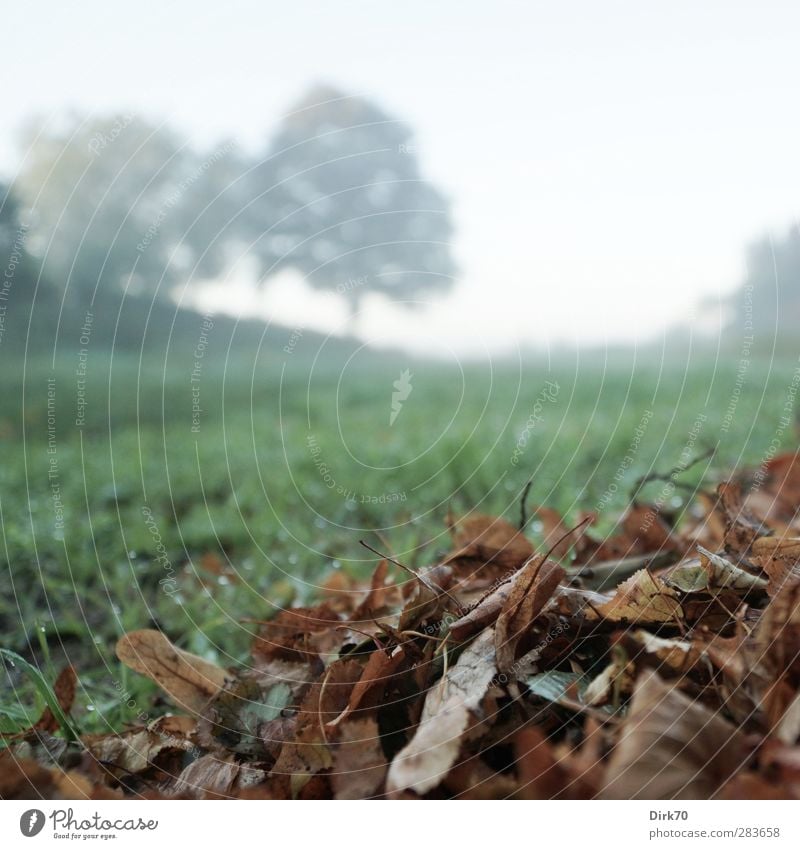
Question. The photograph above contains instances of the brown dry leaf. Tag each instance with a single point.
(134, 751)
(779, 557)
(678, 655)
(473, 779)
(648, 531)
(573, 601)
(171, 724)
(359, 765)
(426, 604)
(190, 681)
(671, 747)
(773, 653)
(308, 752)
(711, 573)
(21, 778)
(377, 673)
(532, 588)
(742, 528)
(556, 535)
(488, 546)
(778, 628)
(451, 707)
(383, 596)
(640, 532)
(64, 690)
(546, 771)
(783, 479)
(215, 776)
(483, 614)
(788, 729)
(642, 599)
(540, 774)
(300, 633)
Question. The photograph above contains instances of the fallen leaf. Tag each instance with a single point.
(484, 613)
(642, 599)
(779, 557)
(359, 765)
(712, 573)
(488, 546)
(190, 681)
(678, 655)
(451, 707)
(300, 633)
(533, 586)
(136, 751)
(215, 777)
(742, 528)
(377, 673)
(671, 747)
(615, 680)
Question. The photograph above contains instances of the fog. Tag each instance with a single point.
(604, 167)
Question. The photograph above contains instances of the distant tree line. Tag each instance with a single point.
(766, 307)
(118, 204)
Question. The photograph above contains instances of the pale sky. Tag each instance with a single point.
(607, 162)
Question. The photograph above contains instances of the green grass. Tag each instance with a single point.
(279, 512)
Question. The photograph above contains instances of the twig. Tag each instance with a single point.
(523, 501)
(674, 472)
(434, 590)
(321, 695)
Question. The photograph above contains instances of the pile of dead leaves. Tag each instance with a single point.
(659, 662)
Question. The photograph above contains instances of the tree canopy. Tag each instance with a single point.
(337, 195)
(340, 199)
(119, 202)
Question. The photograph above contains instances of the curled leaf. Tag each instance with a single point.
(532, 588)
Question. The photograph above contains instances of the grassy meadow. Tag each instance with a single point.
(196, 495)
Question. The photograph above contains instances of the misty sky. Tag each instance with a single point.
(607, 162)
